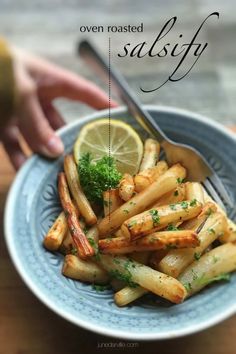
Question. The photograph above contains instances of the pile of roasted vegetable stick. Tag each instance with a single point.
(156, 233)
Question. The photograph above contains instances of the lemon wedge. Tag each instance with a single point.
(117, 139)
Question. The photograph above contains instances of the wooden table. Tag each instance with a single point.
(28, 327)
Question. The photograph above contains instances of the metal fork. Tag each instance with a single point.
(198, 168)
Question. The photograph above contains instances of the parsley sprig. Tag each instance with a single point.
(95, 178)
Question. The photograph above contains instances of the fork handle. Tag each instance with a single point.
(90, 54)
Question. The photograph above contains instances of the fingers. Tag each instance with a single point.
(36, 129)
(77, 88)
(55, 119)
(58, 82)
(11, 144)
(62, 83)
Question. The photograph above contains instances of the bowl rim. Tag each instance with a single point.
(9, 238)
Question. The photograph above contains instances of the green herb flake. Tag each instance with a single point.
(224, 276)
(197, 256)
(74, 251)
(215, 259)
(171, 247)
(209, 212)
(205, 281)
(155, 217)
(116, 261)
(95, 247)
(171, 227)
(188, 286)
(101, 287)
(132, 223)
(95, 178)
(176, 193)
(193, 202)
(126, 211)
(211, 231)
(85, 230)
(184, 205)
(126, 277)
(180, 180)
(172, 206)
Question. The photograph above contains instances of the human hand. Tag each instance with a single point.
(38, 83)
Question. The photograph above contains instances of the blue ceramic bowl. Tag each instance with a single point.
(33, 204)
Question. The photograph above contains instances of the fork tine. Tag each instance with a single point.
(213, 193)
(217, 183)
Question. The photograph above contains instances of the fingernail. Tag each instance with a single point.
(55, 146)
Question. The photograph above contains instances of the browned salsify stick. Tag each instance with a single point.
(83, 246)
(111, 201)
(126, 187)
(151, 220)
(81, 200)
(158, 240)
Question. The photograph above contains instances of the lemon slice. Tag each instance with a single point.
(117, 139)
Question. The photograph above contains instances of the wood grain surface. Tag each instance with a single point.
(28, 327)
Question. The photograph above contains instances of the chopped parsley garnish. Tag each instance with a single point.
(184, 205)
(126, 211)
(172, 227)
(211, 231)
(209, 212)
(74, 251)
(202, 280)
(197, 256)
(188, 286)
(193, 202)
(215, 259)
(132, 223)
(155, 217)
(171, 247)
(96, 178)
(101, 287)
(95, 247)
(205, 281)
(176, 193)
(173, 206)
(116, 261)
(126, 277)
(85, 230)
(180, 180)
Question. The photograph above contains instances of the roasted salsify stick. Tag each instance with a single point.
(126, 187)
(146, 177)
(194, 190)
(158, 240)
(68, 245)
(111, 201)
(151, 154)
(86, 271)
(212, 266)
(151, 220)
(127, 295)
(56, 233)
(76, 191)
(83, 246)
